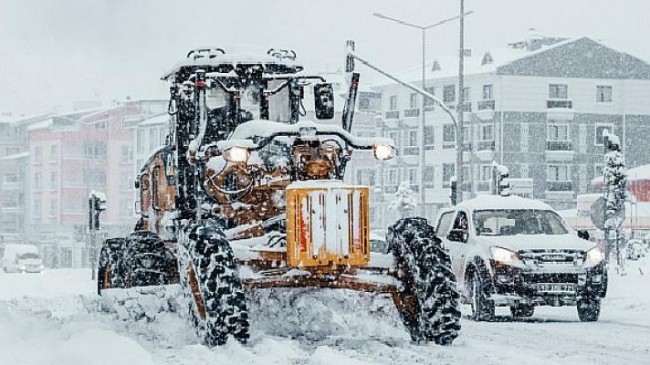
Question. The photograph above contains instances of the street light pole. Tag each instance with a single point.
(422, 116)
(460, 138)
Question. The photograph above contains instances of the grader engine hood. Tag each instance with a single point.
(327, 224)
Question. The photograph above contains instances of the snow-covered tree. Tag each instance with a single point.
(405, 201)
(615, 191)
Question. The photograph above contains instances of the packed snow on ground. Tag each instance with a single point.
(54, 318)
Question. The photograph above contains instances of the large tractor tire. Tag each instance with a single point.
(428, 299)
(211, 284)
(147, 260)
(110, 269)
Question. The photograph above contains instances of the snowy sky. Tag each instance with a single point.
(53, 52)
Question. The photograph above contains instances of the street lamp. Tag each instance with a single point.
(422, 124)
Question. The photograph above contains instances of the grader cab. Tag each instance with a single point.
(244, 182)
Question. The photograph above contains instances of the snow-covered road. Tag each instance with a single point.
(52, 319)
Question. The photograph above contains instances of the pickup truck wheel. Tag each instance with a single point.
(589, 309)
(482, 307)
(522, 310)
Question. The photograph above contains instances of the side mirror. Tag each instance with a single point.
(458, 235)
(584, 234)
(324, 101)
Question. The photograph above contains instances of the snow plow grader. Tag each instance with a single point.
(246, 196)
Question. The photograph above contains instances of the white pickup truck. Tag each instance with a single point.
(517, 252)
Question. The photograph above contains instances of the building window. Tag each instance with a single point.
(603, 94)
(95, 178)
(485, 173)
(428, 176)
(37, 181)
(466, 95)
(394, 136)
(558, 132)
(448, 135)
(54, 180)
(487, 133)
(140, 141)
(54, 207)
(413, 101)
(391, 177)
(153, 139)
(413, 139)
(598, 170)
(54, 152)
(127, 153)
(487, 92)
(428, 136)
(96, 150)
(38, 154)
(413, 176)
(558, 173)
(428, 101)
(467, 133)
(448, 171)
(392, 102)
(366, 177)
(558, 91)
(600, 128)
(449, 93)
(37, 207)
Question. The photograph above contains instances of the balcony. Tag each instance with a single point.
(562, 186)
(393, 114)
(559, 151)
(485, 150)
(485, 110)
(410, 151)
(559, 109)
(467, 106)
(486, 105)
(390, 189)
(411, 113)
(559, 104)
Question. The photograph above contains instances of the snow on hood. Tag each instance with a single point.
(539, 242)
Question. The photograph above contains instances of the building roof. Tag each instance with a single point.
(160, 119)
(576, 57)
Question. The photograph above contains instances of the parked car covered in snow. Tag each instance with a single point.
(22, 258)
(517, 252)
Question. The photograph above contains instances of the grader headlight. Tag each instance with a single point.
(236, 154)
(383, 151)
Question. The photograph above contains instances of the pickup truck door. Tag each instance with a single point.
(444, 225)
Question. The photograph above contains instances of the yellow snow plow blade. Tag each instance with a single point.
(327, 225)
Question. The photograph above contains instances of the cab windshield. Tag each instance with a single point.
(30, 255)
(510, 222)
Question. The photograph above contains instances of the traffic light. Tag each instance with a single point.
(96, 205)
(453, 186)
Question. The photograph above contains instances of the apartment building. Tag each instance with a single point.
(539, 107)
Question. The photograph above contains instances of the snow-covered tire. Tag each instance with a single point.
(211, 284)
(522, 310)
(110, 268)
(147, 261)
(429, 299)
(482, 306)
(588, 309)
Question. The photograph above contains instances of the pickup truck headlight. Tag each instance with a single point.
(503, 255)
(593, 257)
(236, 154)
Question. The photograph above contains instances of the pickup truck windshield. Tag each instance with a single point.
(509, 222)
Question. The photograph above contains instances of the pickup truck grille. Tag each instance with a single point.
(546, 257)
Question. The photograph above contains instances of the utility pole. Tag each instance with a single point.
(422, 139)
(460, 138)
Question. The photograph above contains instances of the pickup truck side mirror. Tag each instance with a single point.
(458, 235)
(324, 101)
(584, 234)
